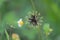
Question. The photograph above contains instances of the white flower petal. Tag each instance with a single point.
(20, 20)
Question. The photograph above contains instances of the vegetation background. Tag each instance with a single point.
(12, 10)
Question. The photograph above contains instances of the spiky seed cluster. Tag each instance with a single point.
(34, 18)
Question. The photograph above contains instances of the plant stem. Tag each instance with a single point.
(7, 35)
(39, 28)
(33, 5)
(40, 33)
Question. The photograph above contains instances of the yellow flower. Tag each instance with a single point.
(20, 23)
(15, 36)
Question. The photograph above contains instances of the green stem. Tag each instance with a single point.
(40, 33)
(7, 35)
(39, 29)
(33, 5)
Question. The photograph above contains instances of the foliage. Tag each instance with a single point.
(12, 10)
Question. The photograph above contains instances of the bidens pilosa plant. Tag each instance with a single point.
(35, 20)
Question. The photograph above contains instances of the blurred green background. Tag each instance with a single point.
(12, 10)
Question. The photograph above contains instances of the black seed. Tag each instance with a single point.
(33, 20)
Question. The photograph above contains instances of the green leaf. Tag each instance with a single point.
(46, 27)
